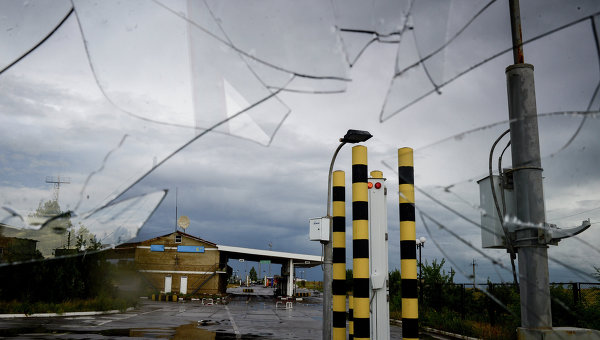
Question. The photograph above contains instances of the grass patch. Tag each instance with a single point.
(76, 305)
(315, 285)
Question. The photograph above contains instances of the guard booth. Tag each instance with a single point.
(281, 287)
(271, 281)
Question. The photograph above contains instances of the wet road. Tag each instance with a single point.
(253, 316)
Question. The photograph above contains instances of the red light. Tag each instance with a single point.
(370, 185)
(377, 185)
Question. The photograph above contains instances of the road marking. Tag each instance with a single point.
(127, 316)
(238, 335)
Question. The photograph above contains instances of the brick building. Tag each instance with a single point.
(178, 262)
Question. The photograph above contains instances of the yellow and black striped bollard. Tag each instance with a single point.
(351, 317)
(408, 252)
(360, 243)
(339, 255)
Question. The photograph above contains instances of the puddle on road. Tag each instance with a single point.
(188, 331)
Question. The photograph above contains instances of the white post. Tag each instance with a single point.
(290, 286)
(378, 259)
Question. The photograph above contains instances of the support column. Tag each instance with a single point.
(527, 173)
(290, 285)
(408, 252)
(360, 244)
(339, 255)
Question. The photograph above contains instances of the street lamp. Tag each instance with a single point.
(352, 137)
(420, 244)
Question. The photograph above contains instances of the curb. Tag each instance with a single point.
(457, 336)
(50, 315)
(437, 331)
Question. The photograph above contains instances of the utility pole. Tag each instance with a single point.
(270, 249)
(527, 170)
(474, 264)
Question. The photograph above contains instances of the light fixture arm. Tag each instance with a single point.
(329, 179)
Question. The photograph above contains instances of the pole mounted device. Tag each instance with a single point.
(378, 259)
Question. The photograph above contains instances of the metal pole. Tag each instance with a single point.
(517, 37)
(527, 167)
(420, 273)
(328, 260)
(533, 256)
(360, 244)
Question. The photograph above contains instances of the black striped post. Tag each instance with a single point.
(351, 317)
(408, 252)
(339, 255)
(360, 244)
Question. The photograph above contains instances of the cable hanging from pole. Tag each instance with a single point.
(500, 214)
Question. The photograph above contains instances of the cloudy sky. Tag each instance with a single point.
(118, 99)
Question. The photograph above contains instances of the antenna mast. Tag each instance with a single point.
(57, 181)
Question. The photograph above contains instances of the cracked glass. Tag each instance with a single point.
(120, 117)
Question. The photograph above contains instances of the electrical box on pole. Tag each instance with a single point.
(492, 235)
(319, 229)
(378, 246)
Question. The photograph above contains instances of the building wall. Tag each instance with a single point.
(18, 249)
(197, 266)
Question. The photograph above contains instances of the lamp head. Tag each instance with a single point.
(418, 241)
(356, 136)
(422, 239)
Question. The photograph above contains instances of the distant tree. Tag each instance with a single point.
(85, 240)
(437, 284)
(434, 274)
(395, 290)
(253, 275)
(50, 212)
(597, 273)
(48, 209)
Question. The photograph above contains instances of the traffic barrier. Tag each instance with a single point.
(164, 297)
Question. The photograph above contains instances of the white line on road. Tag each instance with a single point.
(235, 328)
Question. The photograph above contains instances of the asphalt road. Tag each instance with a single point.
(253, 316)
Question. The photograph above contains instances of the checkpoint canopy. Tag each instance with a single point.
(288, 260)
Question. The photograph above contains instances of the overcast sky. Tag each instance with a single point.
(147, 81)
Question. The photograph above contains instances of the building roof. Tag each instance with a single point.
(124, 245)
(250, 254)
(300, 260)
